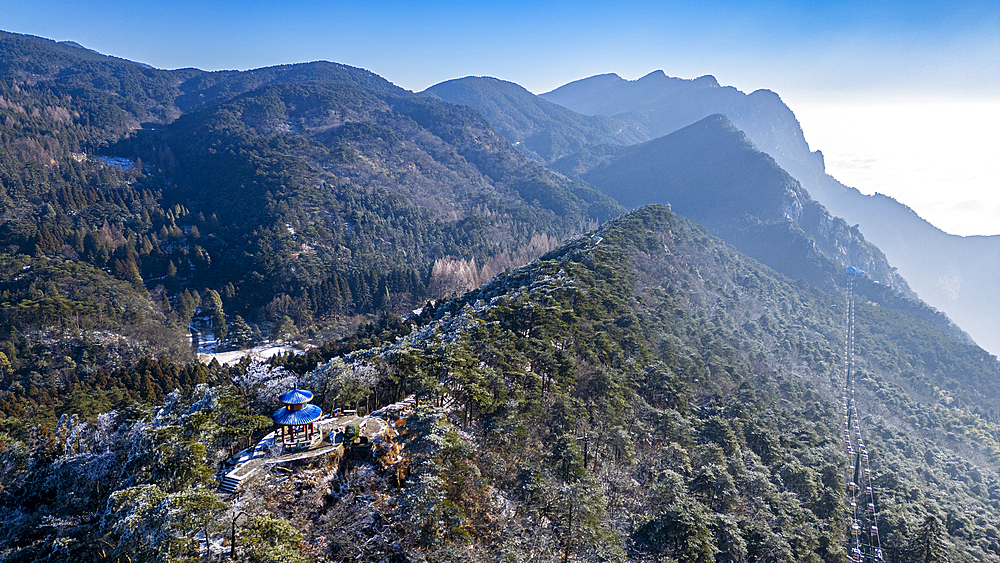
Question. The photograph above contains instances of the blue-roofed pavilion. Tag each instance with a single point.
(296, 416)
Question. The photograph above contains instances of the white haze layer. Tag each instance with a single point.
(942, 159)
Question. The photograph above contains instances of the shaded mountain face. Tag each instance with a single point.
(958, 275)
(349, 181)
(541, 129)
(665, 104)
(712, 173)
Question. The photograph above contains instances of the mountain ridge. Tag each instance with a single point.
(944, 269)
(711, 172)
(539, 128)
(773, 127)
(577, 96)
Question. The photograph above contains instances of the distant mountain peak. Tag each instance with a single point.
(659, 77)
(74, 44)
(707, 81)
(468, 80)
(610, 94)
(655, 75)
(765, 93)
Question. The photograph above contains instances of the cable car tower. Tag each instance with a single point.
(864, 541)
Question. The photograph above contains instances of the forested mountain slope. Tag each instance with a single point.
(321, 182)
(303, 157)
(76, 310)
(102, 97)
(277, 202)
(708, 386)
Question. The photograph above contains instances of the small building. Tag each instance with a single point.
(297, 419)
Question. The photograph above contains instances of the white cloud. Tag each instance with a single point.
(941, 158)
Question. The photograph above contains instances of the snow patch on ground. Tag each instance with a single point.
(262, 352)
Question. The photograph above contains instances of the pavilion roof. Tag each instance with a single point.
(296, 397)
(305, 415)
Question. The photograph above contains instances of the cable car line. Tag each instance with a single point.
(865, 543)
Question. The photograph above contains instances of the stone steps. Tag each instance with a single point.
(231, 481)
(228, 485)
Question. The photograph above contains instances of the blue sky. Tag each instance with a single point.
(938, 48)
(821, 57)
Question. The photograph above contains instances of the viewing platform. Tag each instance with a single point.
(326, 438)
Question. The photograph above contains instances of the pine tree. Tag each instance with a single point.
(928, 545)
(240, 332)
(5, 366)
(213, 304)
(285, 328)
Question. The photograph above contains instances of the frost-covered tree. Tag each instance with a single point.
(135, 518)
(261, 384)
(285, 328)
(195, 511)
(240, 333)
(267, 539)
